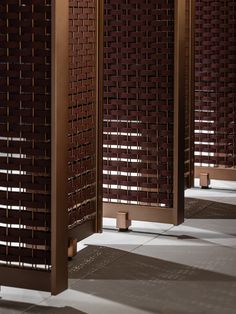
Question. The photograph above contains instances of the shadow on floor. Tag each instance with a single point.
(100, 262)
(204, 209)
(150, 283)
(13, 307)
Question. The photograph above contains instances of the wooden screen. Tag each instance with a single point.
(189, 95)
(39, 85)
(142, 108)
(29, 216)
(215, 88)
(83, 111)
(25, 134)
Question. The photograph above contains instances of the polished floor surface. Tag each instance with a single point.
(155, 268)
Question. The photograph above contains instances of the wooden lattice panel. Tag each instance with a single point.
(138, 102)
(215, 88)
(189, 92)
(82, 112)
(25, 133)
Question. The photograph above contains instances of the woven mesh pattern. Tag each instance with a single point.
(215, 88)
(138, 102)
(188, 103)
(25, 40)
(82, 111)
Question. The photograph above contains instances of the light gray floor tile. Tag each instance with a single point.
(213, 258)
(14, 301)
(77, 302)
(139, 226)
(126, 241)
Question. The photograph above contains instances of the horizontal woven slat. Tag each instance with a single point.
(13, 235)
(24, 255)
(25, 217)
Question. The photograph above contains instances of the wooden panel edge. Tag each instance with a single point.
(179, 110)
(192, 5)
(216, 173)
(99, 111)
(60, 85)
(140, 212)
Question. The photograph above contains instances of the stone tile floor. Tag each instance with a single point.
(155, 268)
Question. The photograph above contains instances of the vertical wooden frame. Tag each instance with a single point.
(191, 86)
(99, 113)
(189, 95)
(179, 111)
(59, 214)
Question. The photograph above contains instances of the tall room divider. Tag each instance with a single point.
(144, 108)
(215, 89)
(85, 114)
(39, 82)
(189, 94)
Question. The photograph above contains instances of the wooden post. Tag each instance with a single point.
(123, 222)
(204, 180)
(72, 247)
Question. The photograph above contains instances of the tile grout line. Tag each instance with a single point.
(155, 237)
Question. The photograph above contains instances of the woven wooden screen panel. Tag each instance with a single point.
(25, 132)
(187, 164)
(215, 87)
(138, 102)
(82, 111)
(189, 91)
